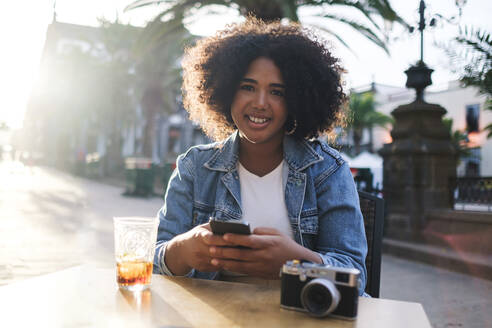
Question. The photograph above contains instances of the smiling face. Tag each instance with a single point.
(259, 109)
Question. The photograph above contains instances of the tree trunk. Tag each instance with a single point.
(152, 104)
(357, 135)
(371, 139)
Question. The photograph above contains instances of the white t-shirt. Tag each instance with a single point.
(263, 204)
(263, 199)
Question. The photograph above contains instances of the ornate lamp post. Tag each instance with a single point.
(419, 76)
(420, 161)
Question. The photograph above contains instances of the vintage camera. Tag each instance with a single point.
(319, 289)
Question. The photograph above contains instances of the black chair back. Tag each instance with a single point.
(372, 208)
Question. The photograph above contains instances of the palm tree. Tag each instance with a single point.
(115, 81)
(362, 115)
(157, 52)
(458, 139)
(478, 69)
(371, 27)
(477, 58)
(471, 54)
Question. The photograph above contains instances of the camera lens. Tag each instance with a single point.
(320, 297)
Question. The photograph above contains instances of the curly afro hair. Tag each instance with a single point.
(214, 67)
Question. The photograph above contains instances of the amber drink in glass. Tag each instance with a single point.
(134, 244)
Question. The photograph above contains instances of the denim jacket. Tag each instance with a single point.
(320, 195)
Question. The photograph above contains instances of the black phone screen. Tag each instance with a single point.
(222, 227)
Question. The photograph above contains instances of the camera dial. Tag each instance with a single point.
(320, 297)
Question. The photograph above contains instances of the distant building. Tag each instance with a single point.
(43, 124)
(46, 124)
(464, 105)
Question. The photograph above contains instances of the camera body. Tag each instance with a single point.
(319, 289)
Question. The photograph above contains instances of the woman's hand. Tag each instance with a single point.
(191, 250)
(267, 250)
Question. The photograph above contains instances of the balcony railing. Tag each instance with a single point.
(472, 191)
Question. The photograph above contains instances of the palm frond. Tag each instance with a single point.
(489, 129)
(458, 138)
(488, 104)
(158, 32)
(367, 8)
(143, 3)
(288, 8)
(477, 58)
(364, 30)
(383, 8)
(361, 7)
(335, 35)
(363, 112)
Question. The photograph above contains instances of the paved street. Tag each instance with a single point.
(450, 299)
(50, 220)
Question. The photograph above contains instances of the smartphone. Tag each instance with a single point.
(222, 227)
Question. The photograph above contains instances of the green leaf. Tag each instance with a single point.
(489, 129)
(289, 8)
(142, 3)
(364, 30)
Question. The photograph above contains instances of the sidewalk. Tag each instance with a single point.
(120, 182)
(450, 299)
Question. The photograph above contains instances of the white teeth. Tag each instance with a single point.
(257, 119)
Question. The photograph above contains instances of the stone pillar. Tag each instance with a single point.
(418, 164)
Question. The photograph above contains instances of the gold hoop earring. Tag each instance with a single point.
(291, 131)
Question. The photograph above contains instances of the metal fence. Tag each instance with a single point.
(472, 190)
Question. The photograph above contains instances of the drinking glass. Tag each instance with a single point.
(134, 244)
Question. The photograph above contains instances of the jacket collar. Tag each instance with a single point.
(297, 153)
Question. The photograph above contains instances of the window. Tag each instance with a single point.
(472, 116)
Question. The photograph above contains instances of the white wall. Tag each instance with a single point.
(486, 164)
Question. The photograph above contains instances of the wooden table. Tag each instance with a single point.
(89, 297)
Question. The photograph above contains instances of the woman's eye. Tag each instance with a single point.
(279, 93)
(247, 87)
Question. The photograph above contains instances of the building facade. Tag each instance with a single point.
(71, 122)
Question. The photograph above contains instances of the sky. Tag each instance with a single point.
(23, 27)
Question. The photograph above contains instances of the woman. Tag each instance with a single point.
(261, 91)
